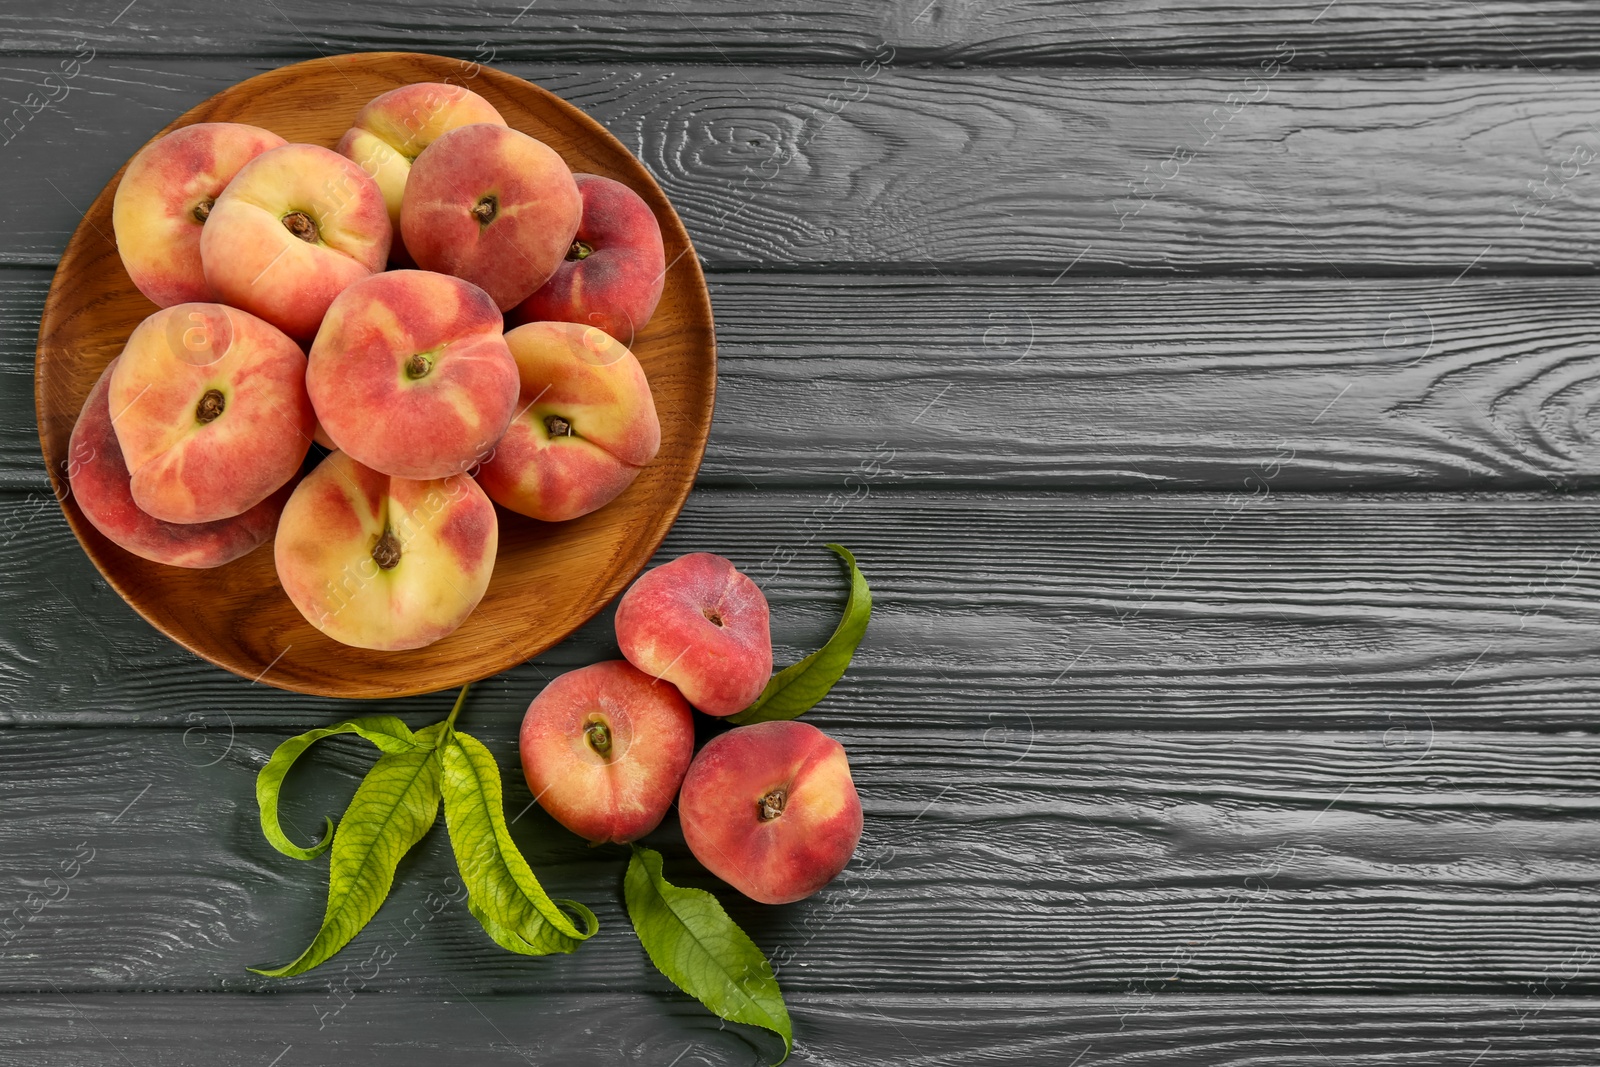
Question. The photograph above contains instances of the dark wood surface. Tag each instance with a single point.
(1034, 860)
(1000, 169)
(1231, 691)
(1111, 33)
(592, 1030)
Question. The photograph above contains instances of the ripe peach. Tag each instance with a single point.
(411, 375)
(295, 227)
(604, 749)
(385, 563)
(392, 130)
(99, 480)
(491, 205)
(585, 423)
(701, 625)
(615, 267)
(211, 411)
(165, 197)
(771, 810)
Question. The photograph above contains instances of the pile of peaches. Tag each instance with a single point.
(770, 807)
(359, 298)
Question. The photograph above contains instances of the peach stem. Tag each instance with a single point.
(302, 226)
(770, 806)
(599, 737)
(386, 553)
(210, 406)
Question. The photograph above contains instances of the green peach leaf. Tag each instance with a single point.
(503, 893)
(690, 939)
(387, 732)
(510, 939)
(793, 690)
(395, 804)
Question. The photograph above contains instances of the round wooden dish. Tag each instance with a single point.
(549, 578)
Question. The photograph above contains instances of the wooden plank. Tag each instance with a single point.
(1006, 171)
(22, 295)
(841, 1030)
(1140, 864)
(1015, 383)
(1115, 33)
(1123, 610)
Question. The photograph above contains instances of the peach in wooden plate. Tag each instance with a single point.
(100, 488)
(611, 276)
(166, 197)
(585, 424)
(296, 227)
(391, 130)
(411, 375)
(381, 562)
(211, 411)
(491, 205)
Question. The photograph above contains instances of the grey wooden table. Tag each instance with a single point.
(1208, 388)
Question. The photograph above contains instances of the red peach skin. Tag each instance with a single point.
(410, 374)
(615, 269)
(211, 411)
(385, 563)
(585, 423)
(296, 227)
(771, 810)
(165, 197)
(393, 129)
(99, 481)
(491, 205)
(701, 625)
(604, 749)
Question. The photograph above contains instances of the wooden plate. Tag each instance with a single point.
(549, 578)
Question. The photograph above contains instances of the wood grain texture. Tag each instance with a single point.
(1139, 864)
(1162, 611)
(1162, 384)
(839, 1030)
(1002, 171)
(1039, 884)
(992, 383)
(1109, 33)
(548, 577)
